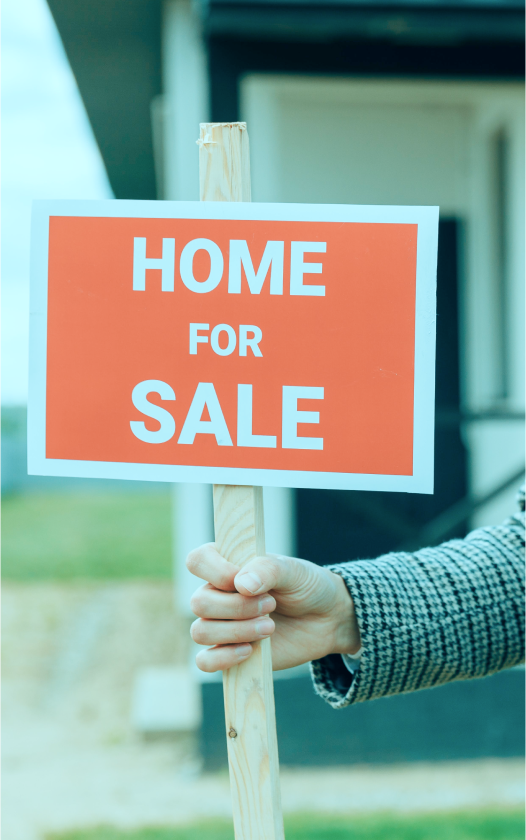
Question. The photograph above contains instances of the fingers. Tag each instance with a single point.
(256, 578)
(209, 602)
(231, 640)
(265, 573)
(206, 632)
(222, 658)
(206, 563)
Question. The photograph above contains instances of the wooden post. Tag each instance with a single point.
(224, 175)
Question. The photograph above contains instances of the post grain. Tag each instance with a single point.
(224, 175)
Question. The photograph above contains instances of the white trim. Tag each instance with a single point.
(423, 438)
(380, 91)
(186, 97)
(282, 110)
(36, 402)
(418, 483)
(236, 210)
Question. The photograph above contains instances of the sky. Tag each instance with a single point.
(48, 151)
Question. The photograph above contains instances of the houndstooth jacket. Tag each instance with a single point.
(453, 612)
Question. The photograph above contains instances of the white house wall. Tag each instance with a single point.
(186, 104)
(186, 98)
(404, 142)
(497, 448)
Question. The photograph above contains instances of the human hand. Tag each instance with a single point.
(312, 611)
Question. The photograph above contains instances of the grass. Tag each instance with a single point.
(482, 825)
(86, 536)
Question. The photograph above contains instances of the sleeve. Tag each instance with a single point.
(454, 612)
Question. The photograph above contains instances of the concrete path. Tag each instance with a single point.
(71, 758)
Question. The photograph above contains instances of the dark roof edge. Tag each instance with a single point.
(327, 7)
(431, 25)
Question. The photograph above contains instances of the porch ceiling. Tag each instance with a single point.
(114, 49)
(413, 21)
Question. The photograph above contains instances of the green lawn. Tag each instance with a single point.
(48, 536)
(485, 825)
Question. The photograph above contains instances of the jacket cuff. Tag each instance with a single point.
(333, 682)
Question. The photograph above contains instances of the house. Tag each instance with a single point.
(352, 101)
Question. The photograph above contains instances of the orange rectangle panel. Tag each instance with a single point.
(286, 345)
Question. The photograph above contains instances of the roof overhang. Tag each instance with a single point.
(412, 21)
(114, 49)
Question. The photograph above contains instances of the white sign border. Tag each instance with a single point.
(425, 331)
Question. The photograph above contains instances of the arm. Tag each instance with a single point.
(312, 612)
(441, 614)
(422, 619)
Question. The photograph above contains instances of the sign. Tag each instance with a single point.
(233, 343)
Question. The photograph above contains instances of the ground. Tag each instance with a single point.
(72, 760)
(83, 535)
(88, 601)
(311, 826)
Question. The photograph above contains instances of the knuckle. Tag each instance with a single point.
(226, 658)
(243, 608)
(196, 631)
(246, 632)
(237, 634)
(203, 662)
(194, 560)
(225, 579)
(271, 570)
(196, 603)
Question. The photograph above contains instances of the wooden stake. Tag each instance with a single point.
(224, 175)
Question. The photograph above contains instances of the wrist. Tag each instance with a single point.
(346, 631)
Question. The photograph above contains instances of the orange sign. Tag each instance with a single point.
(285, 345)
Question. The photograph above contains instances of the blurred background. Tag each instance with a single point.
(109, 729)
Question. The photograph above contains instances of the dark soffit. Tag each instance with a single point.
(410, 21)
(114, 49)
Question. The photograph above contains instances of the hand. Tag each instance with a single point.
(312, 611)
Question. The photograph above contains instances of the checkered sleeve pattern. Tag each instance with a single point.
(454, 612)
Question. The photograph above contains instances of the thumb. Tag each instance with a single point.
(266, 573)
